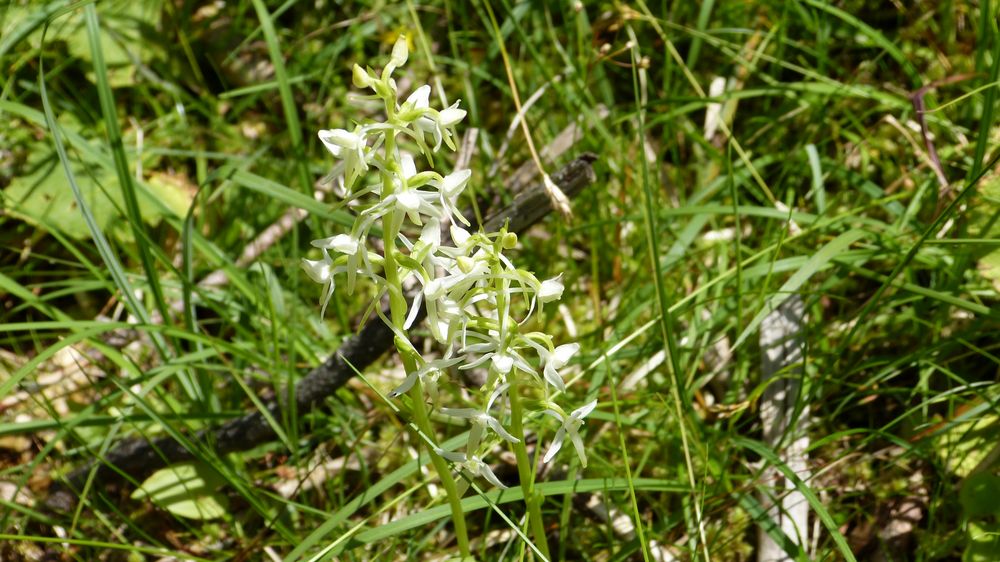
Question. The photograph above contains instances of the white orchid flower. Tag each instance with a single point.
(428, 373)
(553, 360)
(570, 426)
(354, 249)
(438, 124)
(349, 146)
(449, 188)
(481, 419)
(502, 357)
(419, 98)
(557, 360)
(321, 271)
(471, 464)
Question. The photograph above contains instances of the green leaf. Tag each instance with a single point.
(288, 195)
(187, 490)
(980, 495)
(42, 197)
(127, 39)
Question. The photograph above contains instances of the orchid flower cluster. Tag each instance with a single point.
(477, 300)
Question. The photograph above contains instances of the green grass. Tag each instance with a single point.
(145, 145)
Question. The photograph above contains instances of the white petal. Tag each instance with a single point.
(317, 270)
(409, 169)
(584, 410)
(555, 414)
(419, 97)
(520, 363)
(435, 289)
(551, 290)
(326, 298)
(478, 347)
(486, 472)
(451, 116)
(476, 363)
(414, 310)
(340, 137)
(341, 243)
(561, 356)
(552, 377)
(496, 394)
(495, 425)
(580, 451)
(408, 200)
(333, 148)
(503, 363)
(453, 184)
(459, 235)
(556, 445)
(431, 233)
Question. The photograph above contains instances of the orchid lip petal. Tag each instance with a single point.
(408, 200)
(556, 445)
(580, 450)
(486, 472)
(499, 429)
(553, 378)
(503, 363)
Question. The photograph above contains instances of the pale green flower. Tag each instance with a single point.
(570, 426)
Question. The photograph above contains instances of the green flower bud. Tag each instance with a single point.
(400, 52)
(465, 263)
(361, 78)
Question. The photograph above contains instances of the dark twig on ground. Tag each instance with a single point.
(139, 457)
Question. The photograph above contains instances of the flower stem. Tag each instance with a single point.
(443, 470)
(526, 472)
(397, 307)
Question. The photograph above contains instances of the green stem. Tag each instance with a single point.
(526, 472)
(443, 470)
(397, 307)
